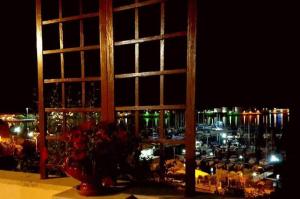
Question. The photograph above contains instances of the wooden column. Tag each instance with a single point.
(82, 59)
(41, 110)
(161, 92)
(106, 60)
(62, 65)
(136, 70)
(190, 133)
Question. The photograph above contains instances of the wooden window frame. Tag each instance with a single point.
(106, 46)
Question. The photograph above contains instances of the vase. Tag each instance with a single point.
(88, 189)
(89, 185)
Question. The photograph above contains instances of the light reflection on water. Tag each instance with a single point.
(272, 120)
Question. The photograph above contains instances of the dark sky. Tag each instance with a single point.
(244, 54)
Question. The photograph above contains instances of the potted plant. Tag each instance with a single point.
(97, 154)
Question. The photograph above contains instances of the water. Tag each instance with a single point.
(269, 120)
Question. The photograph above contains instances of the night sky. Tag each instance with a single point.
(244, 54)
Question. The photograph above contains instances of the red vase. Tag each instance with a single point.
(88, 189)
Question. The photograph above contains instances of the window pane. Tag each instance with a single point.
(124, 92)
(52, 95)
(175, 53)
(174, 90)
(149, 90)
(149, 20)
(50, 37)
(70, 8)
(89, 6)
(92, 63)
(93, 94)
(124, 59)
(124, 25)
(51, 66)
(91, 31)
(73, 95)
(49, 9)
(72, 64)
(71, 34)
(117, 3)
(149, 56)
(176, 16)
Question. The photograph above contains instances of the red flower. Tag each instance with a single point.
(79, 139)
(66, 136)
(79, 155)
(93, 152)
(87, 125)
(122, 135)
(103, 136)
(107, 182)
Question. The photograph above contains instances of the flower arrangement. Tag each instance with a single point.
(97, 154)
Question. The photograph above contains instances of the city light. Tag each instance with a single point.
(147, 154)
(274, 158)
(30, 134)
(240, 157)
(17, 130)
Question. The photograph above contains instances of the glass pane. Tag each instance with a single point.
(89, 6)
(72, 64)
(174, 124)
(73, 95)
(49, 9)
(175, 53)
(50, 37)
(175, 89)
(124, 92)
(126, 118)
(93, 94)
(124, 25)
(149, 20)
(149, 56)
(55, 152)
(91, 31)
(149, 90)
(52, 95)
(92, 63)
(176, 16)
(52, 66)
(124, 59)
(93, 116)
(54, 123)
(117, 3)
(149, 124)
(70, 7)
(71, 32)
(73, 120)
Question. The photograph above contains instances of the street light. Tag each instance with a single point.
(27, 128)
(27, 112)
